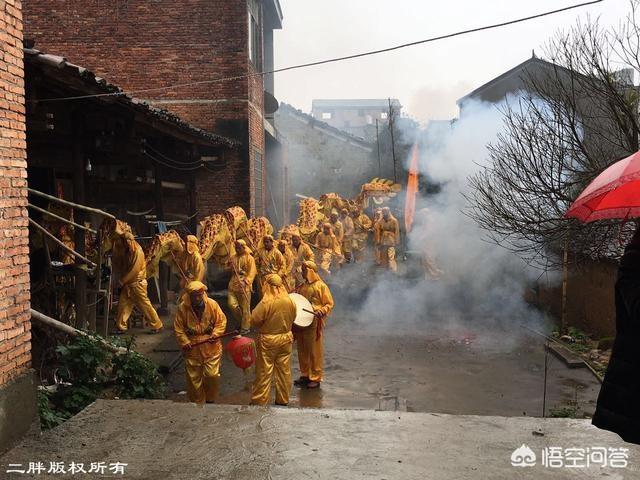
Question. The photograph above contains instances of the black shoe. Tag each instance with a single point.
(313, 385)
(301, 382)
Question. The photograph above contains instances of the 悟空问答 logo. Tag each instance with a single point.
(523, 457)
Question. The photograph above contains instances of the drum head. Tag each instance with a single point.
(303, 319)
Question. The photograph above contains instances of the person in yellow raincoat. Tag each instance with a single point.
(190, 262)
(328, 249)
(309, 339)
(200, 318)
(269, 260)
(273, 317)
(348, 231)
(243, 272)
(129, 265)
(387, 237)
(302, 252)
(362, 226)
(289, 259)
(336, 226)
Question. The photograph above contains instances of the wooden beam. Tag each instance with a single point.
(62, 219)
(62, 245)
(74, 332)
(71, 204)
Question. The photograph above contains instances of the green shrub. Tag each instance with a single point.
(49, 417)
(136, 376)
(82, 370)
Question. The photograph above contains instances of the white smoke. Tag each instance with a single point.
(482, 283)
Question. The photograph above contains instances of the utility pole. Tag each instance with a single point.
(378, 143)
(393, 143)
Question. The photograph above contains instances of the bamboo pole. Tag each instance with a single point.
(62, 245)
(74, 332)
(70, 204)
(62, 219)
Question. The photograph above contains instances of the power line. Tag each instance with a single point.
(331, 60)
(168, 159)
(168, 165)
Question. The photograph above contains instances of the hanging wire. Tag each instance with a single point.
(168, 159)
(168, 165)
(330, 60)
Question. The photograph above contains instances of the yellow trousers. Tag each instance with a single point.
(240, 305)
(388, 258)
(310, 352)
(203, 378)
(135, 295)
(273, 358)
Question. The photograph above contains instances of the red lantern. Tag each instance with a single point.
(242, 351)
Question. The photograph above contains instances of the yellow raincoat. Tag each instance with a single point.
(302, 254)
(270, 262)
(387, 237)
(273, 317)
(338, 230)
(309, 339)
(243, 272)
(191, 262)
(329, 250)
(129, 264)
(362, 226)
(347, 239)
(202, 362)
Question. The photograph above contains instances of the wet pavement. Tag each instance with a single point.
(182, 441)
(466, 369)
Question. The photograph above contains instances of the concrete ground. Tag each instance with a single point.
(437, 361)
(464, 369)
(439, 395)
(167, 440)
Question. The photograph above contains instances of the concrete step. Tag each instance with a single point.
(569, 358)
(166, 440)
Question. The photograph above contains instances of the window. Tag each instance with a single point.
(369, 120)
(257, 183)
(384, 115)
(255, 36)
(326, 115)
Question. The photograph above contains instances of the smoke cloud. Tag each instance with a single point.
(482, 284)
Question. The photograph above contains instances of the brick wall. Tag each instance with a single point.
(15, 326)
(145, 45)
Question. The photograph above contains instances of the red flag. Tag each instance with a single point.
(412, 189)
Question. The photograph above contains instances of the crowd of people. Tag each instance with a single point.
(270, 271)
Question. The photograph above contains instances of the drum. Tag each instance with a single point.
(303, 316)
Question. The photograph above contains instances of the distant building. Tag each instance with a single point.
(509, 83)
(322, 158)
(355, 116)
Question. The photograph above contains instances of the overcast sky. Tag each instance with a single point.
(426, 78)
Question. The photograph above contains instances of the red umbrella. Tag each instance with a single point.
(615, 193)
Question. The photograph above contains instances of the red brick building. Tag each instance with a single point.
(17, 385)
(146, 47)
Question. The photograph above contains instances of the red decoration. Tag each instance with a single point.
(242, 351)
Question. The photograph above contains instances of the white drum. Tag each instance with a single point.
(303, 316)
